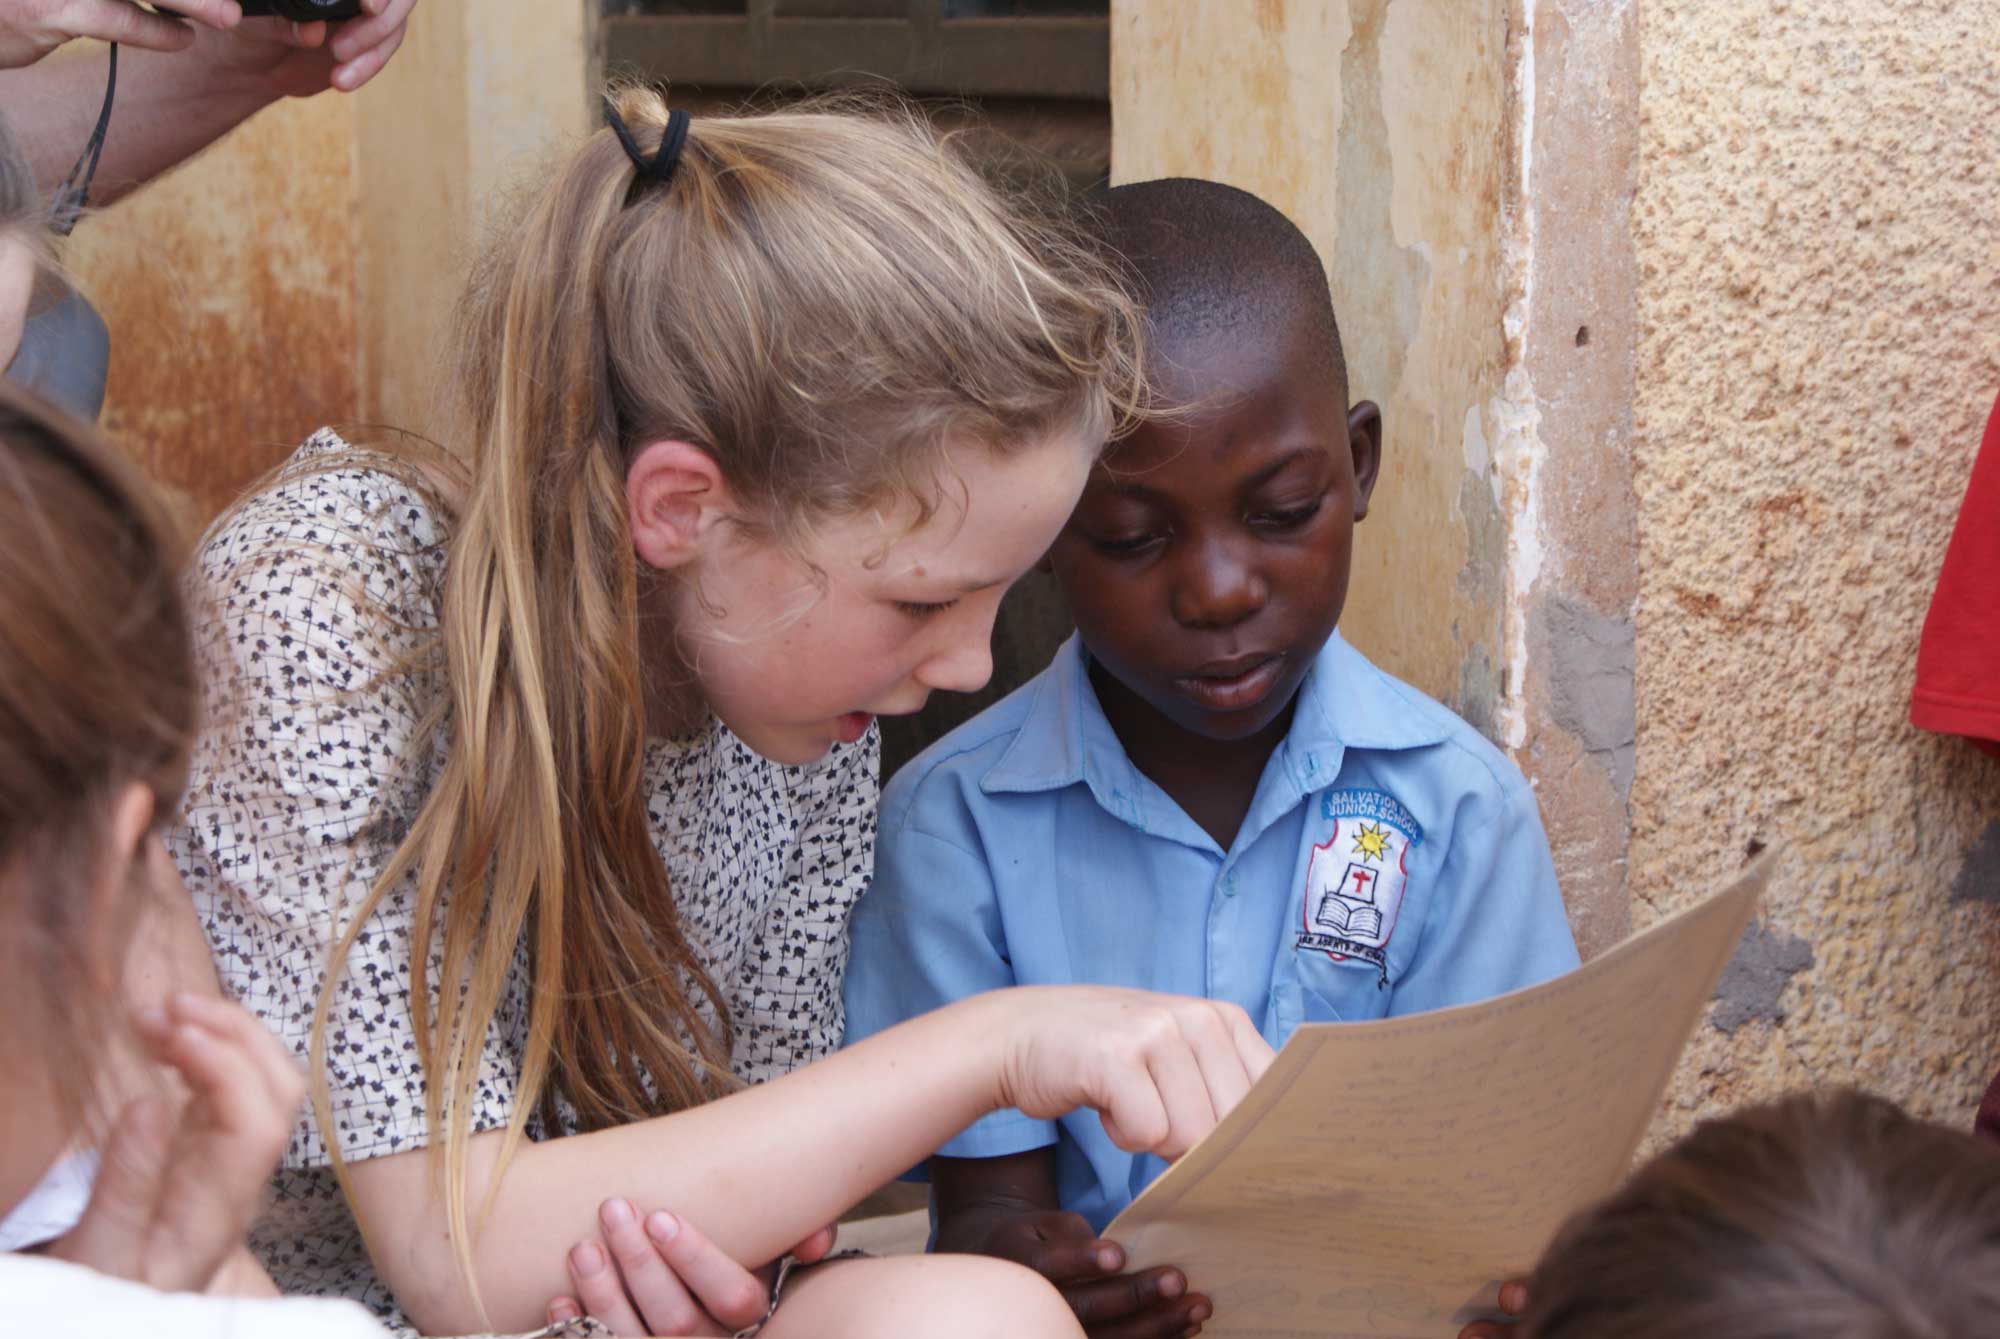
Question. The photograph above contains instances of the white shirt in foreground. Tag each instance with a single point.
(53, 1299)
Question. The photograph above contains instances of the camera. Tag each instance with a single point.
(302, 11)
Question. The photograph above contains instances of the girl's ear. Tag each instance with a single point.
(674, 493)
(129, 846)
(131, 825)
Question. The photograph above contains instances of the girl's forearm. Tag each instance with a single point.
(758, 1170)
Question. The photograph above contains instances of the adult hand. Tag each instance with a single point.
(663, 1276)
(31, 29)
(1160, 1070)
(1062, 1248)
(297, 60)
(1514, 1301)
(174, 1196)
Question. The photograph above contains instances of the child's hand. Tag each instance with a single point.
(1514, 1301)
(1160, 1070)
(1062, 1248)
(174, 1196)
(662, 1276)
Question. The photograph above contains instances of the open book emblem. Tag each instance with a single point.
(1355, 880)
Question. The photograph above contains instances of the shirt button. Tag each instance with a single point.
(1229, 884)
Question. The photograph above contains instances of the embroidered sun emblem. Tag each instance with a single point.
(1371, 841)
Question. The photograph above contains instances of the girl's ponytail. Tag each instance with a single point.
(536, 828)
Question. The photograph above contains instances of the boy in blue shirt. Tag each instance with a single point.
(1208, 791)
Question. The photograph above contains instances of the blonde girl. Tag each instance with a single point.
(563, 740)
(97, 704)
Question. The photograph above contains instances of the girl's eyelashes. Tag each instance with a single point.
(916, 609)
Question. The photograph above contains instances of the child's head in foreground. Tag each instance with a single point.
(1816, 1217)
(97, 707)
(1207, 562)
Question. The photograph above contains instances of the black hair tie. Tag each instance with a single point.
(660, 167)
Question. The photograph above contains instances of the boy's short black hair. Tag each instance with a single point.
(1211, 258)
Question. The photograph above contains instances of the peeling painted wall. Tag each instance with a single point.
(300, 270)
(228, 286)
(1572, 559)
(1819, 318)
(482, 93)
(1376, 125)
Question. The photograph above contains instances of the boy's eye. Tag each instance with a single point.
(1125, 544)
(1287, 518)
(915, 609)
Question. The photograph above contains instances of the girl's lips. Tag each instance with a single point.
(853, 725)
(1234, 692)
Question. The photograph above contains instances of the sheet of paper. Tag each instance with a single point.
(1382, 1178)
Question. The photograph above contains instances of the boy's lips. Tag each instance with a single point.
(1234, 684)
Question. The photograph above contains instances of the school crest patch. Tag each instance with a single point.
(1356, 877)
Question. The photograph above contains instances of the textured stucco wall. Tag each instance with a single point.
(1377, 126)
(1819, 316)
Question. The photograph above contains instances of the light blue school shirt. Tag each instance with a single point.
(1392, 861)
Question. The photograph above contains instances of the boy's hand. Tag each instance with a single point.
(1062, 1248)
(1514, 1301)
(661, 1276)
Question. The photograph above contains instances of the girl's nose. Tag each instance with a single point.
(964, 661)
(1218, 588)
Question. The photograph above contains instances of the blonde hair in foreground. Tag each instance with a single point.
(819, 298)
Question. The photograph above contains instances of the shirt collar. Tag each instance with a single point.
(1345, 702)
(1065, 739)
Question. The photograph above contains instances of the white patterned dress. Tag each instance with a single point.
(306, 596)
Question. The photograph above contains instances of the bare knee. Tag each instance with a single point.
(925, 1297)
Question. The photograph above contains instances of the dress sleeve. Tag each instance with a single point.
(791, 973)
(929, 932)
(1497, 923)
(310, 601)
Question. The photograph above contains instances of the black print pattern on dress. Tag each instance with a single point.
(309, 598)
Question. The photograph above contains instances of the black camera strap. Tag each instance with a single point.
(74, 194)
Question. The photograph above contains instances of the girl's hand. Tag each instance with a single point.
(1513, 1301)
(31, 29)
(1160, 1070)
(662, 1276)
(174, 1197)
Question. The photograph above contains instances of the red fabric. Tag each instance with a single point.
(1958, 660)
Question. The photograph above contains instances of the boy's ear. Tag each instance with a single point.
(674, 493)
(1364, 439)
